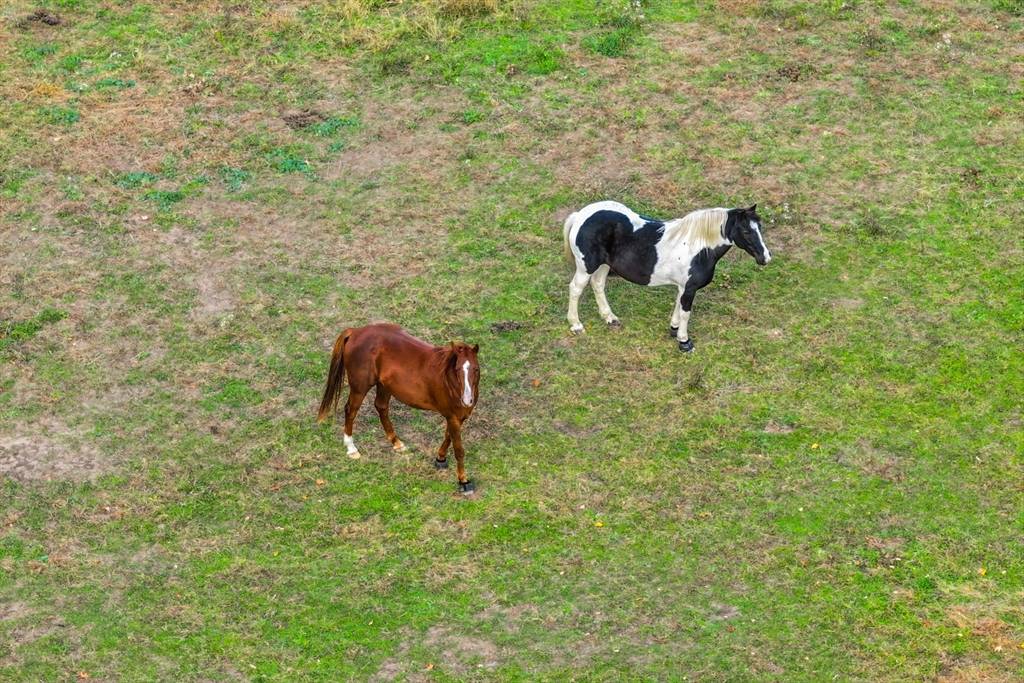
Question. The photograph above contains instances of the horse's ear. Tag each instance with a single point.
(752, 209)
(476, 348)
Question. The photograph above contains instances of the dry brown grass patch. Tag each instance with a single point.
(982, 621)
(972, 672)
(51, 451)
(871, 461)
(466, 8)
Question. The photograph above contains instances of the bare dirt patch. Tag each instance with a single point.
(52, 626)
(871, 461)
(973, 673)
(722, 612)
(506, 326)
(464, 650)
(971, 177)
(303, 118)
(848, 304)
(983, 622)
(464, 654)
(574, 431)
(13, 611)
(405, 132)
(509, 616)
(213, 299)
(888, 549)
(460, 654)
(774, 427)
(794, 71)
(41, 16)
(39, 457)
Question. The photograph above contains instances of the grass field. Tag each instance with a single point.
(197, 197)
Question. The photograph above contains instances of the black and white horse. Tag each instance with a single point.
(609, 237)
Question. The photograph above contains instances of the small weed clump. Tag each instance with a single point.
(623, 22)
(165, 198)
(135, 179)
(285, 160)
(332, 125)
(234, 178)
(62, 116)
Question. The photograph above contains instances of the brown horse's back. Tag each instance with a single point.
(384, 354)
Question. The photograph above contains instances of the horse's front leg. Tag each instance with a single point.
(685, 306)
(455, 429)
(441, 463)
(673, 329)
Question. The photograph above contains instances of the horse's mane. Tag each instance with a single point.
(701, 227)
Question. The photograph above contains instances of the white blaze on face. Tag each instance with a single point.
(760, 238)
(467, 391)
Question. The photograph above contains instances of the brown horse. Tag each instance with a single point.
(439, 378)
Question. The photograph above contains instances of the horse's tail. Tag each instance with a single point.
(565, 236)
(334, 377)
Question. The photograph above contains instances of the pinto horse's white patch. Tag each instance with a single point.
(581, 216)
(760, 238)
(467, 390)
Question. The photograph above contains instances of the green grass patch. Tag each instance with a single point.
(164, 199)
(135, 179)
(286, 160)
(231, 393)
(13, 332)
(332, 125)
(61, 116)
(38, 53)
(614, 43)
(234, 178)
(111, 83)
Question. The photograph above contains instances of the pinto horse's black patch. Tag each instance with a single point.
(608, 237)
(702, 267)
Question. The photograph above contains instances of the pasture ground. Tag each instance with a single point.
(196, 197)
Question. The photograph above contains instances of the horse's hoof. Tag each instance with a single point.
(673, 332)
(615, 324)
(399, 447)
(686, 346)
(355, 455)
(466, 487)
(440, 464)
(576, 329)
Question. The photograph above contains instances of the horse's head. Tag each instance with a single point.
(743, 228)
(462, 363)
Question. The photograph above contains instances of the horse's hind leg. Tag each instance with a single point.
(382, 403)
(576, 287)
(597, 281)
(355, 399)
